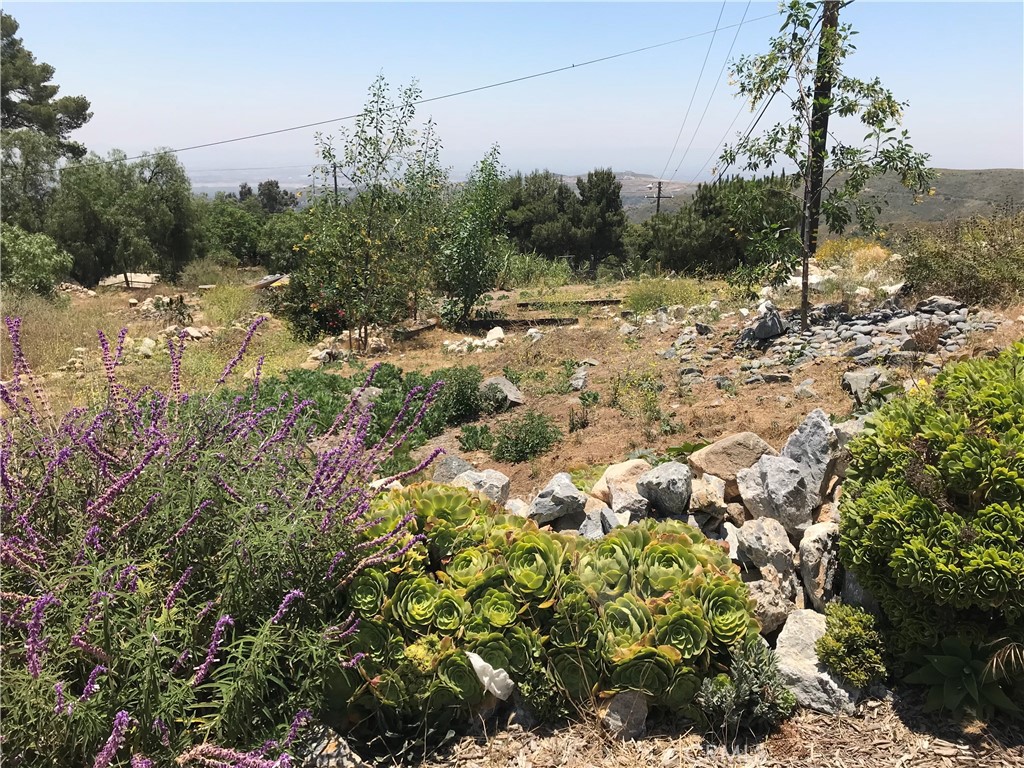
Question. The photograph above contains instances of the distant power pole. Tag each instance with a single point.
(335, 166)
(657, 198)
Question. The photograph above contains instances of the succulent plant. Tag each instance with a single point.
(728, 611)
(414, 602)
(663, 566)
(643, 668)
(496, 610)
(534, 563)
(576, 672)
(626, 621)
(684, 627)
(469, 567)
(450, 612)
(455, 672)
(368, 592)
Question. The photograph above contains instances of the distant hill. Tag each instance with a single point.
(958, 194)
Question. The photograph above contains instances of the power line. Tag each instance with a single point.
(465, 92)
(720, 141)
(711, 95)
(696, 85)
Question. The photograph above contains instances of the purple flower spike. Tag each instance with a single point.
(35, 644)
(211, 651)
(291, 596)
(91, 686)
(121, 722)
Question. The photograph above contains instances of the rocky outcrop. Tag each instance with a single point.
(727, 457)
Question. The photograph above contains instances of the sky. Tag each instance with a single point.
(178, 74)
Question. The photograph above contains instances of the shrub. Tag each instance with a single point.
(751, 695)
(476, 438)
(647, 295)
(459, 400)
(525, 437)
(976, 260)
(174, 568)
(33, 263)
(933, 517)
(567, 620)
(206, 271)
(851, 646)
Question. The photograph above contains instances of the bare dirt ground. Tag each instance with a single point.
(883, 734)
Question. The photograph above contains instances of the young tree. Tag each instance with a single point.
(31, 262)
(820, 90)
(466, 266)
(230, 227)
(272, 198)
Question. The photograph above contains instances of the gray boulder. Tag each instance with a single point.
(510, 391)
(814, 687)
(592, 526)
(725, 457)
(819, 563)
(770, 325)
(578, 380)
(450, 467)
(558, 498)
(490, 483)
(777, 487)
(863, 382)
(764, 542)
(627, 506)
(814, 446)
(667, 487)
(624, 715)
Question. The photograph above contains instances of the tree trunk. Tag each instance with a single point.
(820, 111)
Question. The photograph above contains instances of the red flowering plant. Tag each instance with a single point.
(174, 567)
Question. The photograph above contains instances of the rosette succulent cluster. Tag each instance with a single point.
(654, 607)
(933, 511)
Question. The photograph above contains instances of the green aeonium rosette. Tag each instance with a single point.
(533, 563)
(413, 602)
(663, 566)
(577, 672)
(643, 668)
(625, 621)
(450, 612)
(683, 626)
(368, 592)
(727, 609)
(455, 672)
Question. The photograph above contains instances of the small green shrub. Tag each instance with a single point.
(525, 437)
(459, 400)
(751, 695)
(977, 260)
(493, 400)
(476, 438)
(647, 295)
(933, 506)
(205, 271)
(512, 374)
(851, 647)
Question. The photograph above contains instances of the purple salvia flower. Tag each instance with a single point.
(35, 643)
(211, 651)
(44, 485)
(188, 523)
(143, 513)
(173, 594)
(257, 377)
(204, 610)
(119, 351)
(176, 365)
(302, 717)
(141, 761)
(353, 661)
(129, 579)
(212, 756)
(117, 487)
(63, 707)
(91, 686)
(121, 722)
(165, 734)
(288, 599)
(241, 350)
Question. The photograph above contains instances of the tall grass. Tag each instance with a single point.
(647, 295)
(529, 270)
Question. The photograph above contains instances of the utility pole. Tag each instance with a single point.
(657, 198)
(335, 167)
(820, 111)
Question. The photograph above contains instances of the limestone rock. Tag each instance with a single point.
(558, 498)
(772, 606)
(725, 457)
(624, 715)
(764, 542)
(490, 482)
(819, 563)
(496, 334)
(770, 324)
(667, 487)
(628, 506)
(777, 487)
(815, 688)
(449, 467)
(624, 474)
(814, 445)
(708, 496)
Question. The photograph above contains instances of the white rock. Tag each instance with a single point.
(819, 563)
(490, 483)
(815, 688)
(497, 333)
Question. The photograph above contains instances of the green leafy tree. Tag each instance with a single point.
(231, 227)
(466, 265)
(541, 214)
(820, 90)
(272, 198)
(31, 262)
(114, 216)
(28, 176)
(602, 220)
(28, 98)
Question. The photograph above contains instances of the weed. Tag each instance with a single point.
(476, 437)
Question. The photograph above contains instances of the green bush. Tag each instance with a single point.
(476, 438)
(530, 270)
(647, 295)
(977, 260)
(32, 263)
(525, 437)
(460, 399)
(554, 612)
(933, 507)
(851, 646)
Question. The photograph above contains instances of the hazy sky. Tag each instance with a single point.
(177, 74)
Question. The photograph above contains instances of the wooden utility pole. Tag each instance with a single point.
(820, 111)
(658, 197)
(335, 166)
